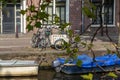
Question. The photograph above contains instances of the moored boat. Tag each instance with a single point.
(18, 68)
(105, 63)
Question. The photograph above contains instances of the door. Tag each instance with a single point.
(8, 13)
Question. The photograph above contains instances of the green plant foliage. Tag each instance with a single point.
(87, 76)
(109, 51)
(84, 44)
(4, 2)
(14, 1)
(44, 5)
(23, 12)
(112, 74)
(29, 27)
(88, 12)
(56, 20)
(64, 25)
(38, 24)
(32, 8)
(43, 16)
(89, 46)
(75, 50)
(70, 33)
(77, 38)
(68, 50)
(79, 63)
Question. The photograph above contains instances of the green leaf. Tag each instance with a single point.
(88, 12)
(32, 8)
(75, 50)
(28, 18)
(87, 77)
(68, 50)
(44, 5)
(93, 7)
(64, 25)
(109, 51)
(111, 74)
(89, 46)
(77, 38)
(23, 12)
(38, 24)
(56, 19)
(43, 15)
(84, 44)
(79, 63)
(70, 33)
(66, 61)
(29, 27)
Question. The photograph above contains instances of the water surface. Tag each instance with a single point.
(52, 75)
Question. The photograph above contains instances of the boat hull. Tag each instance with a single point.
(80, 70)
(105, 63)
(18, 68)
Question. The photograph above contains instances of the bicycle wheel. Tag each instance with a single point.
(42, 44)
(59, 44)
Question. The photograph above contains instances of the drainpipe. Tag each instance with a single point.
(24, 17)
(54, 11)
(16, 35)
(118, 24)
(82, 27)
(54, 6)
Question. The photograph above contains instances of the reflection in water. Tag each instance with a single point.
(18, 78)
(51, 75)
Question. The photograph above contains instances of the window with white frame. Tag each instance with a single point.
(60, 10)
(107, 12)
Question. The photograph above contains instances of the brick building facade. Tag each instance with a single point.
(68, 10)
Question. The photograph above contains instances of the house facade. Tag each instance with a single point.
(12, 21)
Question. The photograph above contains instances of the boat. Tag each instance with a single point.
(104, 63)
(18, 68)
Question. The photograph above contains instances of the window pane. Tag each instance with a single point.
(17, 6)
(17, 13)
(58, 11)
(96, 12)
(108, 12)
(17, 19)
(62, 14)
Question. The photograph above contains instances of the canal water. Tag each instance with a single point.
(52, 75)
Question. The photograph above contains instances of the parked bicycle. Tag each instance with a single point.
(36, 38)
(43, 39)
(61, 44)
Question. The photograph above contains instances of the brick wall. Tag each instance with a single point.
(75, 14)
(76, 18)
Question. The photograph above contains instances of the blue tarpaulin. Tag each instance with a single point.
(87, 61)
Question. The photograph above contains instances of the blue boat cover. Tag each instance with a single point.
(87, 61)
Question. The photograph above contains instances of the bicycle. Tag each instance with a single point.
(36, 38)
(61, 44)
(45, 41)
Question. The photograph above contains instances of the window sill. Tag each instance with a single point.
(103, 25)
